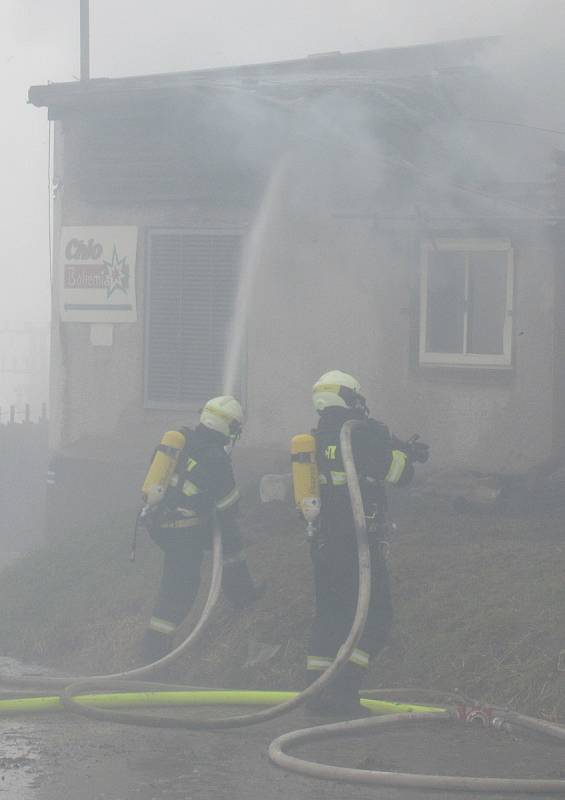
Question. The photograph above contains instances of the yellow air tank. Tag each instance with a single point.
(162, 467)
(305, 476)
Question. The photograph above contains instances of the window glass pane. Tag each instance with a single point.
(446, 302)
(487, 302)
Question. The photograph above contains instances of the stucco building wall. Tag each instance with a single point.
(331, 291)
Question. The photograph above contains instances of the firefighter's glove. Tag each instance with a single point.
(150, 517)
(238, 584)
(420, 452)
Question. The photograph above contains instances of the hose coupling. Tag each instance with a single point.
(483, 715)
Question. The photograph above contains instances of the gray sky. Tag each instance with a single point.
(39, 43)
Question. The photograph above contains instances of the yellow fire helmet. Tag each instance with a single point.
(339, 389)
(223, 414)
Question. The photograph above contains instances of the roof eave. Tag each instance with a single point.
(80, 93)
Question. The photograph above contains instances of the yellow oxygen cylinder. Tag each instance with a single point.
(162, 467)
(305, 477)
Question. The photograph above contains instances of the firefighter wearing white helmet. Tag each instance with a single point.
(225, 415)
(202, 487)
(380, 459)
(337, 390)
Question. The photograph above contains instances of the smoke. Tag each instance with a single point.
(528, 65)
(360, 152)
(39, 43)
(130, 37)
(321, 154)
(459, 146)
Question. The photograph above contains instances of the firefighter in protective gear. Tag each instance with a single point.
(381, 459)
(202, 487)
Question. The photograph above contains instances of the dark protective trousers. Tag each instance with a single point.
(336, 581)
(183, 551)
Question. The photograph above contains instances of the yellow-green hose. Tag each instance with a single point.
(36, 705)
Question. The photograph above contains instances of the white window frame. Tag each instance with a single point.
(467, 247)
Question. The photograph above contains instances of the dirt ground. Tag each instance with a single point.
(479, 601)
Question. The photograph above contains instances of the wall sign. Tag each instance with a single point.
(97, 274)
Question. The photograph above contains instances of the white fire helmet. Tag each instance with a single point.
(223, 414)
(339, 389)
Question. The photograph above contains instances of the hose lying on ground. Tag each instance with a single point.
(120, 682)
(50, 683)
(405, 780)
(325, 679)
(214, 697)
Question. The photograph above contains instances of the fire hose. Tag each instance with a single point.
(122, 690)
(122, 681)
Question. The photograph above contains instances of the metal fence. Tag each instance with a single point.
(10, 415)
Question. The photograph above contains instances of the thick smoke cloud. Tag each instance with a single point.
(39, 43)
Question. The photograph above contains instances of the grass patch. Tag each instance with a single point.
(78, 603)
(479, 604)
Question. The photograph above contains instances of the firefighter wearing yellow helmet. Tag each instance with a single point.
(201, 486)
(381, 459)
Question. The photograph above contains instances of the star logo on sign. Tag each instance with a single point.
(116, 274)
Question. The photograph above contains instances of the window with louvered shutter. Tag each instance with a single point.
(190, 295)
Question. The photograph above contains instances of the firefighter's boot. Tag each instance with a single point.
(341, 697)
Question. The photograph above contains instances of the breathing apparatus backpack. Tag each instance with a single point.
(305, 479)
(162, 468)
(159, 475)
